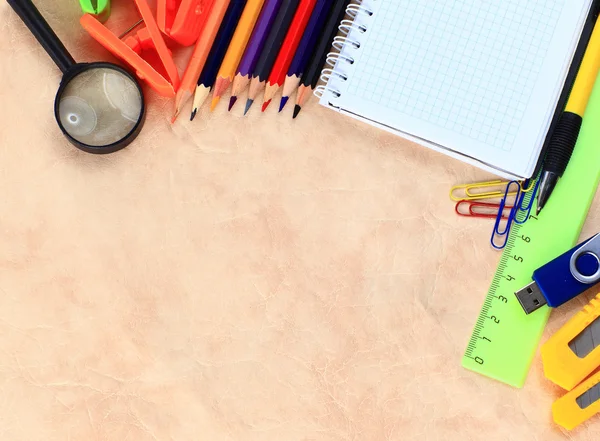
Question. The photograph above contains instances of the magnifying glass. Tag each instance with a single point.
(99, 106)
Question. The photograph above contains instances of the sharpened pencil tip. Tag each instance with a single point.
(193, 114)
(297, 110)
(248, 105)
(232, 101)
(213, 104)
(284, 100)
(265, 105)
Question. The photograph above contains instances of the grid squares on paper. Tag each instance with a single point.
(469, 66)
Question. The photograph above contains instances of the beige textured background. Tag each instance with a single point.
(234, 278)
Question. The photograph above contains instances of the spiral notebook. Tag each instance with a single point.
(478, 80)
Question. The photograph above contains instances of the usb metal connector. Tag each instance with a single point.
(531, 298)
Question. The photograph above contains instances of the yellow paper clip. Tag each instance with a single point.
(470, 191)
(531, 182)
(579, 405)
(573, 352)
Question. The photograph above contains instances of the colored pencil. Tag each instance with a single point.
(236, 49)
(203, 45)
(254, 48)
(310, 77)
(313, 30)
(273, 44)
(209, 73)
(288, 49)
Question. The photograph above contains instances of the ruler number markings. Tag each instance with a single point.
(500, 280)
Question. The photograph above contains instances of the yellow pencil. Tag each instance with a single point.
(236, 49)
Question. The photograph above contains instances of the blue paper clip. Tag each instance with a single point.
(521, 218)
(511, 217)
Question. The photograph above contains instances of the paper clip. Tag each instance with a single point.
(100, 9)
(496, 232)
(182, 20)
(527, 182)
(486, 210)
(470, 193)
(130, 49)
(522, 214)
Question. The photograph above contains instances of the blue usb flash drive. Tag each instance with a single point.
(563, 278)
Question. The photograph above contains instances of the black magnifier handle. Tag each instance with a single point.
(43, 33)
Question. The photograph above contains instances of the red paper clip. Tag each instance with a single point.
(481, 209)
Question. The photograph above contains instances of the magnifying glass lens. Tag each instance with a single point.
(77, 116)
(100, 106)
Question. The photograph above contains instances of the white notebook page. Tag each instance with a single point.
(480, 77)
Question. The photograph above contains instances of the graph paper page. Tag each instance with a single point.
(479, 77)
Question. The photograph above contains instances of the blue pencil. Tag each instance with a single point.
(313, 30)
(217, 53)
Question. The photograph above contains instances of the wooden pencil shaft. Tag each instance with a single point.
(240, 83)
(270, 92)
(290, 85)
(256, 86)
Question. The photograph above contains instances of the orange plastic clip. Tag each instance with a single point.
(130, 50)
(579, 405)
(182, 20)
(572, 353)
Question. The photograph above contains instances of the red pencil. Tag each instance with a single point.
(288, 49)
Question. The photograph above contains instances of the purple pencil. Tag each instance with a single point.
(254, 48)
(307, 44)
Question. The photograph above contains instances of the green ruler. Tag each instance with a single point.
(505, 339)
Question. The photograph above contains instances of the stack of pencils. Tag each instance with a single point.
(261, 46)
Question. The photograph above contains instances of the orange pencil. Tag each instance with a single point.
(196, 64)
(288, 49)
(236, 49)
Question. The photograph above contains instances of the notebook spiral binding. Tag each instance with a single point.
(345, 48)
